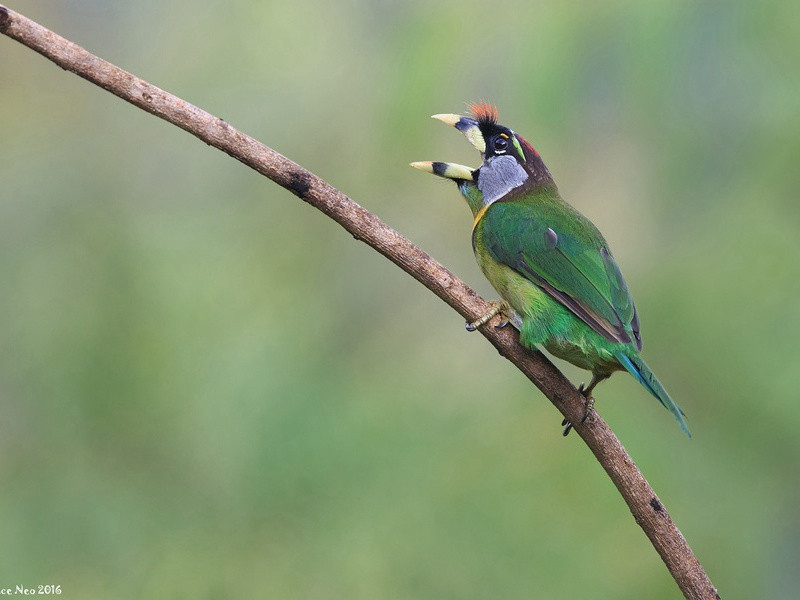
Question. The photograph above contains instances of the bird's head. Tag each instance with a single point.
(510, 164)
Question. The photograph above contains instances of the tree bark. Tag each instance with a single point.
(648, 511)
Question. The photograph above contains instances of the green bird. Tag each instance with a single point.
(561, 285)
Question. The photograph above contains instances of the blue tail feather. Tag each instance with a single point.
(642, 373)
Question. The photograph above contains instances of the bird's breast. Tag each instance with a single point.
(521, 294)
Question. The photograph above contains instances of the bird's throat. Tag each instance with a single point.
(499, 176)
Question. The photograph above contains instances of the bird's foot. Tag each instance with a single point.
(586, 393)
(495, 307)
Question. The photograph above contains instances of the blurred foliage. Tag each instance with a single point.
(209, 390)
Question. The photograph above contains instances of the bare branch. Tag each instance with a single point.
(647, 509)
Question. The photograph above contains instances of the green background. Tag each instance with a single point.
(208, 389)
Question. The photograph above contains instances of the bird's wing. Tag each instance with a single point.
(565, 255)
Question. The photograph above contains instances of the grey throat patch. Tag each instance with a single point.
(499, 176)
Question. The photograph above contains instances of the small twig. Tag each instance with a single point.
(647, 509)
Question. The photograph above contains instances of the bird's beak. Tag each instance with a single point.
(467, 126)
(448, 170)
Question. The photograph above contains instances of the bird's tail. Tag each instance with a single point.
(642, 373)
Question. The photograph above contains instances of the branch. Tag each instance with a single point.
(647, 509)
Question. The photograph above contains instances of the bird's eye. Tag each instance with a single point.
(500, 144)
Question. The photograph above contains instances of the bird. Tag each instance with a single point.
(559, 282)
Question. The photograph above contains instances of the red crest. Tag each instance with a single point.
(483, 112)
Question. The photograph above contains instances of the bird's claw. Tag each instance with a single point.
(587, 393)
(502, 323)
(495, 307)
(588, 408)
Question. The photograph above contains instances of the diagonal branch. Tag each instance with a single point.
(647, 509)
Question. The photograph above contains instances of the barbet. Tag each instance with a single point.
(561, 285)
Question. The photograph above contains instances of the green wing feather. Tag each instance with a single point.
(559, 250)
